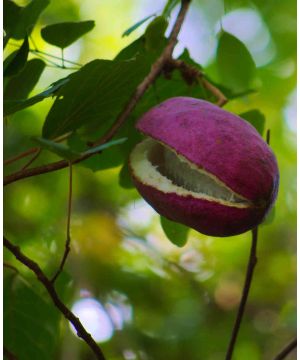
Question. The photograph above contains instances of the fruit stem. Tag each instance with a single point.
(286, 350)
(68, 236)
(250, 269)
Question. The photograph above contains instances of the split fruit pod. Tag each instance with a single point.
(204, 167)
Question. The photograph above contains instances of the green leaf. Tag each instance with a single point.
(22, 84)
(125, 180)
(14, 63)
(11, 17)
(59, 149)
(185, 56)
(170, 7)
(137, 47)
(21, 20)
(154, 34)
(93, 163)
(113, 157)
(256, 119)
(135, 26)
(165, 88)
(31, 323)
(234, 95)
(94, 96)
(104, 146)
(175, 232)
(66, 152)
(12, 106)
(235, 64)
(75, 143)
(64, 34)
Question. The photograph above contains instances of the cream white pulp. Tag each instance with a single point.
(156, 165)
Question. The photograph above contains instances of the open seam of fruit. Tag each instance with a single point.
(160, 166)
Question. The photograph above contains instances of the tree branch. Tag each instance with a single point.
(155, 71)
(192, 75)
(68, 236)
(34, 267)
(21, 155)
(286, 350)
(34, 157)
(250, 269)
(32, 150)
(221, 98)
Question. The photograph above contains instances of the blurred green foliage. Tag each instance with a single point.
(164, 302)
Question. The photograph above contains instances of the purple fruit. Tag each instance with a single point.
(204, 167)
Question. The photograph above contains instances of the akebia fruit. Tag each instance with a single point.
(204, 167)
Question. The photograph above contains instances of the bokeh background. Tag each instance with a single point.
(140, 296)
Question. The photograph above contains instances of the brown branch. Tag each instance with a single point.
(31, 151)
(192, 75)
(155, 71)
(35, 156)
(34, 267)
(68, 236)
(20, 156)
(221, 98)
(286, 350)
(250, 269)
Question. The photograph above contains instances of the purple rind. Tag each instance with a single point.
(207, 217)
(218, 141)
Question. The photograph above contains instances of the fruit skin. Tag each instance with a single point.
(222, 144)
(204, 216)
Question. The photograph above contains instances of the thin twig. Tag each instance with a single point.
(58, 58)
(68, 235)
(8, 354)
(36, 51)
(250, 269)
(20, 156)
(32, 150)
(191, 75)
(286, 350)
(43, 57)
(35, 156)
(155, 71)
(67, 313)
(9, 266)
(221, 98)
